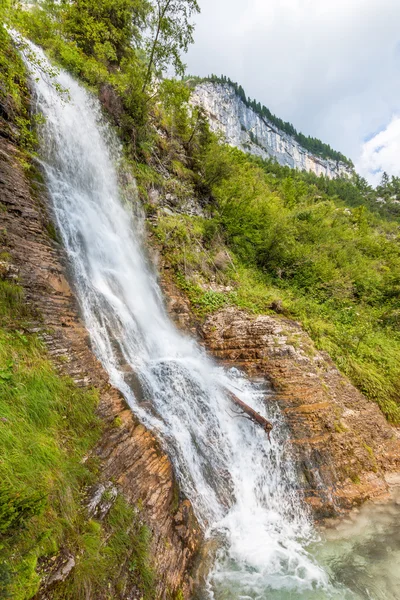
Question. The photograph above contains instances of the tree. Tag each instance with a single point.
(105, 29)
(171, 34)
(384, 189)
(385, 180)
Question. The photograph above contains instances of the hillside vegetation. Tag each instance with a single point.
(265, 238)
(48, 430)
(325, 252)
(234, 229)
(48, 426)
(303, 253)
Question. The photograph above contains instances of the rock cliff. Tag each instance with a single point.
(343, 444)
(244, 129)
(346, 452)
(130, 459)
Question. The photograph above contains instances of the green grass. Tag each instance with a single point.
(48, 427)
(115, 554)
(361, 344)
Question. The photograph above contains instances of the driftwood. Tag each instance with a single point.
(250, 413)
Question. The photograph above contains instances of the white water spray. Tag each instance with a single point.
(243, 489)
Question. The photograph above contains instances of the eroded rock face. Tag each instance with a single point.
(240, 126)
(130, 456)
(343, 444)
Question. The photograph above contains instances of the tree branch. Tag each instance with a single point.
(161, 15)
(251, 414)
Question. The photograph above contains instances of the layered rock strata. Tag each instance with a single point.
(343, 444)
(129, 456)
(346, 451)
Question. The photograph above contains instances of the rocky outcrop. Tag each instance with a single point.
(343, 444)
(244, 129)
(129, 456)
(345, 449)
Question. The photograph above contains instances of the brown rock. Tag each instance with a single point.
(129, 455)
(343, 444)
(111, 102)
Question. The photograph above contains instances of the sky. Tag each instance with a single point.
(330, 67)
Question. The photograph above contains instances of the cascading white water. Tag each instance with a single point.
(243, 489)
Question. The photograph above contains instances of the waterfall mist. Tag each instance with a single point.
(244, 489)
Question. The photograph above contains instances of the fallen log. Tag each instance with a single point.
(250, 413)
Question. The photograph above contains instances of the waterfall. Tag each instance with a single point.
(244, 489)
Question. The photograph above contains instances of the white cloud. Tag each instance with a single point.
(331, 67)
(381, 153)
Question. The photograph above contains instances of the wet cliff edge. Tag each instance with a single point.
(130, 458)
(346, 451)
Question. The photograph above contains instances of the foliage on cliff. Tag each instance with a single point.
(314, 145)
(48, 428)
(277, 239)
(14, 88)
(121, 46)
(265, 239)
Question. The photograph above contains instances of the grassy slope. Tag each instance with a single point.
(48, 427)
(320, 250)
(294, 248)
(301, 252)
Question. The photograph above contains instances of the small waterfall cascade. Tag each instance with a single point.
(244, 489)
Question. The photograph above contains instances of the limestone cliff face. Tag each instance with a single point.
(239, 124)
(130, 458)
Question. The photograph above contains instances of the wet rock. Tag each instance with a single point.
(129, 456)
(343, 444)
